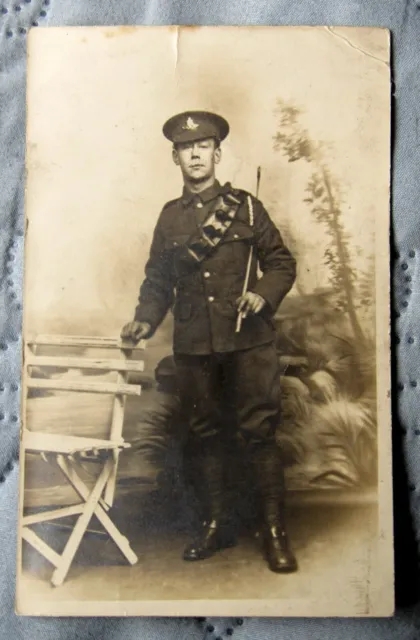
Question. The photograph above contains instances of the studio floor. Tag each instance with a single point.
(332, 544)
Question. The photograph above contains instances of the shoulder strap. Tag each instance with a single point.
(170, 203)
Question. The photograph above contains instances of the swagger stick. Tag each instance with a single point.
(251, 251)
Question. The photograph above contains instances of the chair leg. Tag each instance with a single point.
(81, 524)
(121, 541)
(42, 547)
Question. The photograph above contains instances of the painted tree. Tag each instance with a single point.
(325, 199)
(366, 284)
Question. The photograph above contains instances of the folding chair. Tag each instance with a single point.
(68, 452)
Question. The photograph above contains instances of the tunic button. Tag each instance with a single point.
(211, 299)
(207, 274)
(199, 205)
(235, 235)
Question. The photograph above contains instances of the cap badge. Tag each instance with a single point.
(190, 125)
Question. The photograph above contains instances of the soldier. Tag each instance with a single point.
(197, 266)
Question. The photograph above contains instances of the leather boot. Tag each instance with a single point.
(269, 476)
(215, 532)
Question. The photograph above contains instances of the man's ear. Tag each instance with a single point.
(175, 157)
(217, 155)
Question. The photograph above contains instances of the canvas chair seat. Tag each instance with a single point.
(36, 442)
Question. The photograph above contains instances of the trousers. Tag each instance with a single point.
(239, 390)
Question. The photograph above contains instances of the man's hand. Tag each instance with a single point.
(250, 303)
(135, 331)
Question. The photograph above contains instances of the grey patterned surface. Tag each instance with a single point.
(403, 17)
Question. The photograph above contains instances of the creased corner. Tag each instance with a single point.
(357, 48)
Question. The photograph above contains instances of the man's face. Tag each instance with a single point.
(197, 159)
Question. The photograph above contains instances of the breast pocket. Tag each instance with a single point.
(175, 241)
(236, 246)
(175, 245)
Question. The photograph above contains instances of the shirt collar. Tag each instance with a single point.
(205, 196)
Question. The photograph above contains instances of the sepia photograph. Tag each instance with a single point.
(206, 419)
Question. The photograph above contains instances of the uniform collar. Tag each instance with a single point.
(205, 196)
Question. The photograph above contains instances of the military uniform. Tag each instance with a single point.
(203, 297)
(197, 267)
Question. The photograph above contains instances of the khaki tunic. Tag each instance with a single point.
(203, 298)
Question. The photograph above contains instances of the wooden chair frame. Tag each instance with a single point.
(67, 451)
